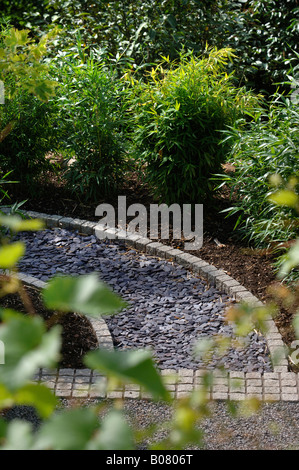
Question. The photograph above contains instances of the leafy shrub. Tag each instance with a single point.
(3, 192)
(33, 135)
(269, 147)
(179, 117)
(91, 118)
(281, 296)
(26, 119)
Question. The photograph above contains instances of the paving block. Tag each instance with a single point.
(162, 250)
(141, 243)
(245, 296)
(53, 220)
(184, 259)
(65, 222)
(87, 227)
(80, 393)
(207, 272)
(225, 283)
(151, 248)
(235, 396)
(76, 224)
(111, 233)
(171, 254)
(219, 396)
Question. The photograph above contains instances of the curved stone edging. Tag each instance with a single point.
(277, 385)
(98, 324)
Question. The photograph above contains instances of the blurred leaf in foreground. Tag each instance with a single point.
(129, 365)
(27, 348)
(83, 294)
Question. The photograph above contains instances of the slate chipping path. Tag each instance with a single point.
(279, 389)
(169, 309)
(279, 385)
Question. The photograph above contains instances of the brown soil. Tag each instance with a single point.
(221, 245)
(78, 336)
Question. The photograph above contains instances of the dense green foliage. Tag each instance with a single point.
(32, 136)
(178, 117)
(27, 128)
(264, 35)
(16, 12)
(269, 147)
(266, 158)
(262, 32)
(91, 119)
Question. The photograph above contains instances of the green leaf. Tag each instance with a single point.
(136, 366)
(39, 396)
(114, 434)
(18, 224)
(284, 197)
(19, 436)
(36, 395)
(3, 428)
(10, 254)
(6, 399)
(295, 324)
(27, 347)
(82, 294)
(291, 260)
(43, 89)
(68, 430)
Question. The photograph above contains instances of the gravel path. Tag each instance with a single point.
(169, 309)
(274, 427)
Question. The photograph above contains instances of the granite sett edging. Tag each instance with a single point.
(277, 385)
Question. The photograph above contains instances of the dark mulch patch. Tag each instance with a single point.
(221, 245)
(78, 336)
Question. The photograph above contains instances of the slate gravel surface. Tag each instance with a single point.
(169, 309)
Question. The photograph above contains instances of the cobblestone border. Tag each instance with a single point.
(277, 385)
(230, 385)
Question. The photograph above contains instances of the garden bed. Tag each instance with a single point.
(78, 336)
(221, 247)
